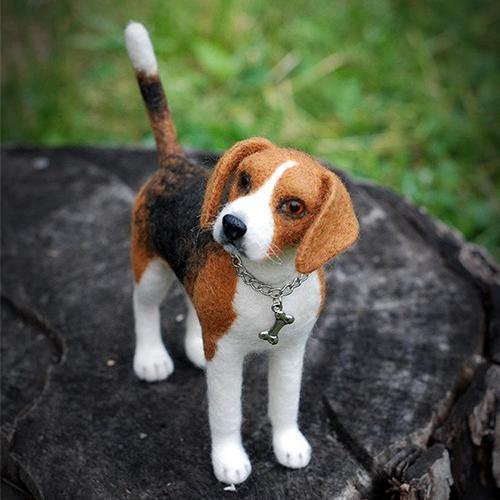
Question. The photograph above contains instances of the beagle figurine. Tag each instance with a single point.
(248, 243)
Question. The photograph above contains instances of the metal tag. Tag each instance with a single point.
(271, 335)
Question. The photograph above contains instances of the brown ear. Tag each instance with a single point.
(334, 230)
(224, 168)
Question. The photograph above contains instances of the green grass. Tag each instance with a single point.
(406, 93)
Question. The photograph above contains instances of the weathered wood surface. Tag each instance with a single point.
(401, 378)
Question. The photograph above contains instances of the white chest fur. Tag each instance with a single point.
(254, 314)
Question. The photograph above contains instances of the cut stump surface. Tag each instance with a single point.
(401, 379)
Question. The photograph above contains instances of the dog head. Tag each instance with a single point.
(278, 199)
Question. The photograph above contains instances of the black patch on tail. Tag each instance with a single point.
(152, 93)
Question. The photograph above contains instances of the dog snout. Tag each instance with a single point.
(233, 227)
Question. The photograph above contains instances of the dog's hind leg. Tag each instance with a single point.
(193, 341)
(151, 360)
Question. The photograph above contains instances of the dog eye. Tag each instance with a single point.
(293, 208)
(244, 182)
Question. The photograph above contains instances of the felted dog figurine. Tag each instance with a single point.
(252, 270)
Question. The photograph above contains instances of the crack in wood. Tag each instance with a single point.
(358, 452)
(13, 472)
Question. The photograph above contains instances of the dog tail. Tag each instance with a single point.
(141, 53)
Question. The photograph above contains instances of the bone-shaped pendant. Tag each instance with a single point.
(271, 335)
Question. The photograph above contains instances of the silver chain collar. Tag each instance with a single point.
(281, 318)
(275, 293)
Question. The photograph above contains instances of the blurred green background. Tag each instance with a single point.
(402, 92)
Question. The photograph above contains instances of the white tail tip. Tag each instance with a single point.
(140, 49)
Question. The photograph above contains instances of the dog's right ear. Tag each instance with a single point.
(224, 168)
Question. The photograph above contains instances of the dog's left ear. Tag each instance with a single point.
(333, 231)
(224, 168)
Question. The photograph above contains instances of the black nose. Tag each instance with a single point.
(234, 228)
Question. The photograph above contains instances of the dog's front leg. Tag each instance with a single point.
(224, 378)
(285, 373)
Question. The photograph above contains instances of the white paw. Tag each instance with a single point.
(152, 364)
(291, 448)
(231, 464)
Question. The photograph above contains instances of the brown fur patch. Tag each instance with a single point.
(334, 229)
(259, 167)
(212, 291)
(141, 253)
(302, 182)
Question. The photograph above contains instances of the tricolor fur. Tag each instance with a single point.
(292, 214)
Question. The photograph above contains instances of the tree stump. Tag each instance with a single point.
(401, 392)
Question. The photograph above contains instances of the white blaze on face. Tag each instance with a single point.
(256, 212)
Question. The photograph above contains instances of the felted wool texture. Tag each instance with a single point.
(253, 310)
(151, 360)
(255, 209)
(165, 220)
(141, 251)
(303, 183)
(139, 48)
(223, 170)
(160, 117)
(284, 380)
(253, 314)
(314, 185)
(213, 293)
(260, 166)
(193, 340)
(166, 229)
(141, 53)
(224, 381)
(159, 216)
(334, 229)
